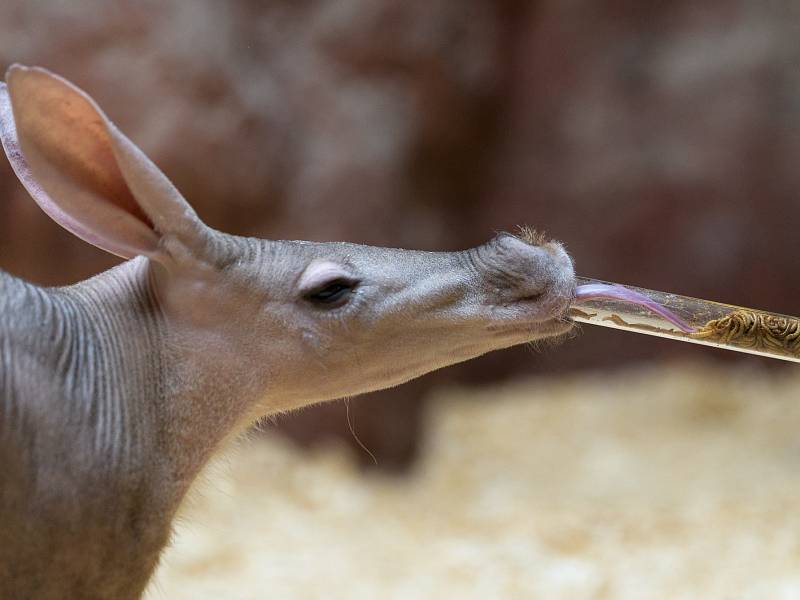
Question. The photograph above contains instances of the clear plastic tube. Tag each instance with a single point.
(686, 319)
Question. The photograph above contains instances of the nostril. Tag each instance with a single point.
(535, 297)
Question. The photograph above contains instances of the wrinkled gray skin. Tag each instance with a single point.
(115, 392)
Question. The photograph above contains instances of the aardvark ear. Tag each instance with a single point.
(84, 173)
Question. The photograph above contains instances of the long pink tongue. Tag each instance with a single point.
(602, 291)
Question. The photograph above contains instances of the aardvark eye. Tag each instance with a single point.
(333, 293)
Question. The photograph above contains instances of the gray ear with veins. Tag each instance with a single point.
(84, 173)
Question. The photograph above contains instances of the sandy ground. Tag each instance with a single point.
(677, 482)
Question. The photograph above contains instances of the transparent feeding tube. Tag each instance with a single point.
(686, 319)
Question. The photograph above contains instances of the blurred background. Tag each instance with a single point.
(658, 140)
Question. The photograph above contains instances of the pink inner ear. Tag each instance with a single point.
(59, 144)
(8, 137)
(70, 133)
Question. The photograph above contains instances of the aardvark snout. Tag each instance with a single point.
(525, 273)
